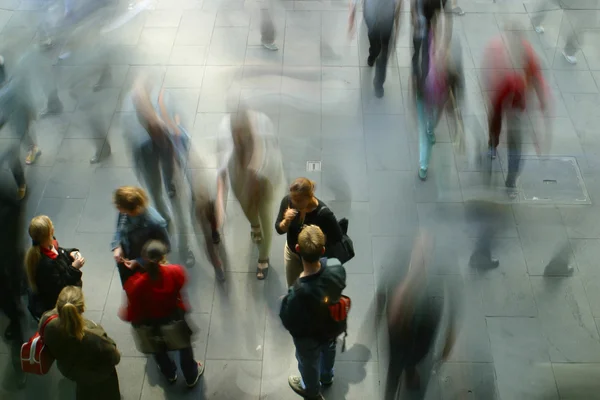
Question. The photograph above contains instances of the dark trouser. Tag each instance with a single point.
(11, 306)
(514, 153)
(315, 362)
(267, 28)
(107, 389)
(380, 36)
(124, 273)
(420, 58)
(187, 363)
(14, 163)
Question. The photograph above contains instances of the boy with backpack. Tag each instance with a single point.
(315, 313)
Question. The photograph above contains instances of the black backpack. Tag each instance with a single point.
(325, 314)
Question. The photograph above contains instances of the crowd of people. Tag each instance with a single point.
(169, 200)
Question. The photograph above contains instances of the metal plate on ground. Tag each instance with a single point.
(552, 180)
(313, 166)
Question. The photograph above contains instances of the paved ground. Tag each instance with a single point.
(524, 336)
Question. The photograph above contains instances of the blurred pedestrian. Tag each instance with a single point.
(50, 268)
(382, 18)
(539, 14)
(155, 300)
(508, 90)
(267, 27)
(305, 313)
(250, 160)
(83, 351)
(300, 208)
(414, 317)
(137, 223)
(430, 44)
(159, 147)
(12, 279)
(205, 213)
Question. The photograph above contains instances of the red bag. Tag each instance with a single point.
(35, 357)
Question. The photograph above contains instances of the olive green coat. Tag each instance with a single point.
(90, 363)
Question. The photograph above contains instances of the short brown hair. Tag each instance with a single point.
(302, 187)
(130, 198)
(311, 241)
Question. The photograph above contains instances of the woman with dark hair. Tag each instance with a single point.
(49, 267)
(300, 208)
(137, 223)
(154, 299)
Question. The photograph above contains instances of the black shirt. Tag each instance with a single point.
(321, 216)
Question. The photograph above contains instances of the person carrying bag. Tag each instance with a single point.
(156, 309)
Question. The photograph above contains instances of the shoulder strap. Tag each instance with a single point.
(46, 322)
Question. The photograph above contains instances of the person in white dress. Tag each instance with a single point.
(250, 159)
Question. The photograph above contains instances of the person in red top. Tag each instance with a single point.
(154, 298)
(508, 89)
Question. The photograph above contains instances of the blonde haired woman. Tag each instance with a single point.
(84, 353)
(49, 267)
(251, 161)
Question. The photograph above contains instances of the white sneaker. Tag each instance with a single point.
(270, 46)
(539, 29)
(570, 59)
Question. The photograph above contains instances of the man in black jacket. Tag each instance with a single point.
(305, 314)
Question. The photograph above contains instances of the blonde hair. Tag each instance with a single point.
(40, 230)
(311, 241)
(70, 305)
(302, 187)
(130, 198)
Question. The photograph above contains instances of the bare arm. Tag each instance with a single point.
(221, 197)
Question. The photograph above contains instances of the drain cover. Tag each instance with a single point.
(554, 180)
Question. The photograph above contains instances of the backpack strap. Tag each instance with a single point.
(46, 322)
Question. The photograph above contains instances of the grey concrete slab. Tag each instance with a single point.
(468, 380)
(566, 298)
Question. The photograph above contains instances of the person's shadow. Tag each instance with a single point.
(349, 373)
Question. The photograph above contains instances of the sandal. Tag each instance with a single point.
(261, 271)
(256, 234)
(32, 155)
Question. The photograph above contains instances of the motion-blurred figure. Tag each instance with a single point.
(414, 316)
(12, 279)
(250, 160)
(508, 89)
(267, 27)
(571, 44)
(432, 34)
(381, 16)
(16, 108)
(158, 144)
(205, 213)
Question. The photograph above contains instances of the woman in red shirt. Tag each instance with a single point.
(155, 299)
(508, 89)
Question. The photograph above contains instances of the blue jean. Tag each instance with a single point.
(189, 366)
(315, 362)
(426, 119)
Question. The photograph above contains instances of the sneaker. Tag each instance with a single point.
(270, 46)
(33, 155)
(200, 372)
(21, 192)
(492, 152)
(295, 383)
(422, 174)
(64, 55)
(570, 59)
(539, 29)
(379, 92)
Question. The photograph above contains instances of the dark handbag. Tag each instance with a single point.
(344, 249)
(154, 338)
